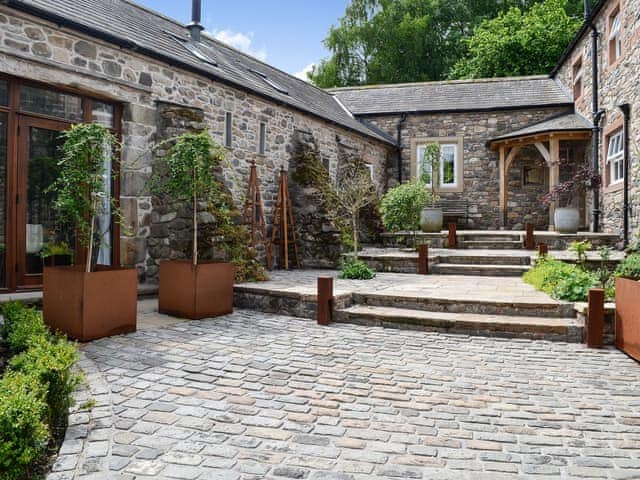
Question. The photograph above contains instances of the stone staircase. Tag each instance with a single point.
(550, 321)
(487, 241)
(483, 264)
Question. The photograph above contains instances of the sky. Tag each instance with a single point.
(287, 34)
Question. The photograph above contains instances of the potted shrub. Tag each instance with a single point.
(192, 288)
(567, 217)
(431, 217)
(87, 301)
(56, 254)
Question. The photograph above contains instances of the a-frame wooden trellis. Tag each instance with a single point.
(284, 228)
(253, 215)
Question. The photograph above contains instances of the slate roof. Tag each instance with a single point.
(464, 95)
(571, 122)
(134, 27)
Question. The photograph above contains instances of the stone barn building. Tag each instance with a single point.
(149, 78)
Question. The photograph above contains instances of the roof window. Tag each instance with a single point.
(270, 82)
(193, 48)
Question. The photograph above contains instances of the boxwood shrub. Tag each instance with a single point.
(35, 391)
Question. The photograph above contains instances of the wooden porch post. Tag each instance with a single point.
(554, 176)
(503, 187)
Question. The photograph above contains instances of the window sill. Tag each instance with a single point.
(614, 187)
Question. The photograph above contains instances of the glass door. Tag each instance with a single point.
(40, 238)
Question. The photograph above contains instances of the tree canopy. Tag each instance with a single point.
(392, 41)
(518, 43)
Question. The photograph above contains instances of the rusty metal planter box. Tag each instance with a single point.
(628, 316)
(88, 306)
(196, 291)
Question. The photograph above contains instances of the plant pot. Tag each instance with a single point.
(567, 220)
(57, 261)
(196, 291)
(431, 220)
(88, 306)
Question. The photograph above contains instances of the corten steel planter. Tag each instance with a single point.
(628, 316)
(88, 306)
(196, 291)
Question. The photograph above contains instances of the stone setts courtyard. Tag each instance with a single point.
(261, 396)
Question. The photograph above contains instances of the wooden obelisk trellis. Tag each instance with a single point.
(253, 215)
(284, 228)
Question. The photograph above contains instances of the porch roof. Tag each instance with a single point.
(570, 124)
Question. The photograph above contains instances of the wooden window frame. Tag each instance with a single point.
(578, 75)
(11, 170)
(615, 49)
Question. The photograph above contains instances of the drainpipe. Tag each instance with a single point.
(401, 122)
(595, 135)
(626, 208)
(195, 27)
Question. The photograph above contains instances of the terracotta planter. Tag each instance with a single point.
(201, 291)
(88, 306)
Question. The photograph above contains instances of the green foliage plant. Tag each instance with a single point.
(400, 207)
(24, 432)
(629, 267)
(191, 164)
(354, 269)
(563, 281)
(35, 391)
(81, 187)
(50, 249)
(580, 248)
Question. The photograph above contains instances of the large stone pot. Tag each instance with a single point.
(567, 220)
(431, 220)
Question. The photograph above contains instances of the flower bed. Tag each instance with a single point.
(35, 391)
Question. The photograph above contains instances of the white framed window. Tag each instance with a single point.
(369, 167)
(615, 157)
(448, 174)
(615, 36)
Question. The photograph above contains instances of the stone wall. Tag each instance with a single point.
(480, 165)
(618, 85)
(34, 49)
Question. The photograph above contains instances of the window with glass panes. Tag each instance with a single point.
(615, 157)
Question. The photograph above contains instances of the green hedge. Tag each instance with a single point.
(35, 392)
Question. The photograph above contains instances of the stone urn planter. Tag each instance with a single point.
(90, 305)
(431, 220)
(567, 220)
(197, 291)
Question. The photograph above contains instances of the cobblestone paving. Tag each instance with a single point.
(254, 396)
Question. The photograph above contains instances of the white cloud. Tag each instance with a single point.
(241, 41)
(302, 74)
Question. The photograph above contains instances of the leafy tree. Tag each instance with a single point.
(518, 42)
(391, 41)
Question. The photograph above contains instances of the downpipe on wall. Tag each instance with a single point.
(626, 207)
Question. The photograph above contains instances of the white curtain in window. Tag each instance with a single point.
(104, 218)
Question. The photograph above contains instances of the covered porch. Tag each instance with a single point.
(532, 161)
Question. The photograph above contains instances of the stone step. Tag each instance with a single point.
(491, 244)
(551, 308)
(484, 259)
(479, 269)
(479, 237)
(559, 329)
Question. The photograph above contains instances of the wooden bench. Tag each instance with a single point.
(457, 208)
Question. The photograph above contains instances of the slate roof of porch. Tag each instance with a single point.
(571, 122)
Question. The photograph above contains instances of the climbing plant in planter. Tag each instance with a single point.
(193, 288)
(88, 301)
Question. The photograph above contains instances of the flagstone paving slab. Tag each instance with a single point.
(256, 396)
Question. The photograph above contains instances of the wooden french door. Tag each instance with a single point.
(39, 142)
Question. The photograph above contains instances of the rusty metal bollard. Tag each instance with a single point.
(423, 259)
(325, 300)
(529, 243)
(543, 249)
(594, 330)
(453, 236)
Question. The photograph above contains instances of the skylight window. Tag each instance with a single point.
(192, 48)
(270, 82)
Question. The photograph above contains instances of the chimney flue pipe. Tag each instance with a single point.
(195, 27)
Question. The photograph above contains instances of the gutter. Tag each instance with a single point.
(166, 59)
(626, 208)
(401, 122)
